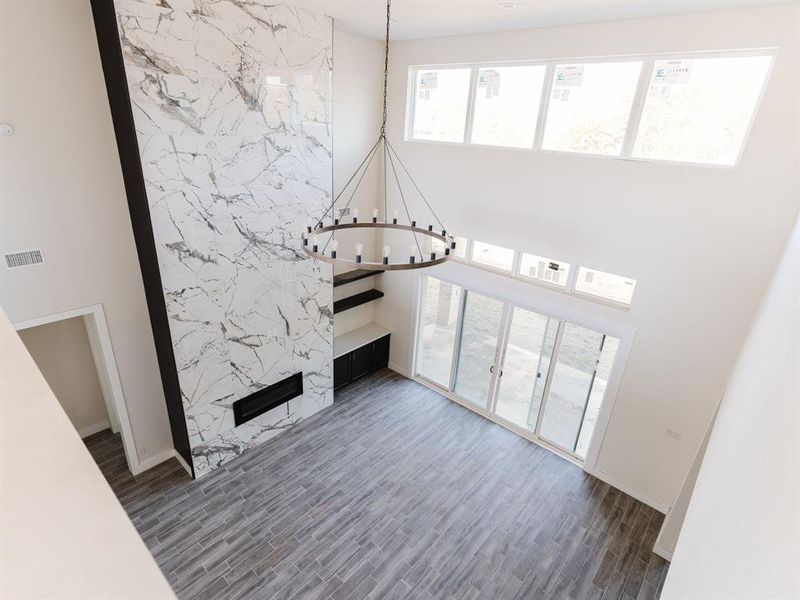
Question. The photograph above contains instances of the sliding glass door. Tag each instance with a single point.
(543, 376)
(529, 346)
(570, 385)
(477, 348)
(441, 313)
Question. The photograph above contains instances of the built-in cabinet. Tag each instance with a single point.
(364, 349)
(356, 363)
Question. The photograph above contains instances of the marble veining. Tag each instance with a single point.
(232, 108)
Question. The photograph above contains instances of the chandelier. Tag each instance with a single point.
(438, 243)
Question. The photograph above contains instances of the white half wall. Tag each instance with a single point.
(741, 536)
(61, 190)
(700, 241)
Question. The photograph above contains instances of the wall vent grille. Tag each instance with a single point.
(26, 258)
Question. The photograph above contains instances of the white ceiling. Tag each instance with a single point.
(415, 19)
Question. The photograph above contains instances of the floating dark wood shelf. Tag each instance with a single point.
(357, 300)
(351, 276)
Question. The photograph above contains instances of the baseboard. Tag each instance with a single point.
(631, 491)
(663, 552)
(160, 458)
(151, 462)
(398, 369)
(184, 464)
(92, 429)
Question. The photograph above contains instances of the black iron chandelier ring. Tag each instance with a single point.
(312, 248)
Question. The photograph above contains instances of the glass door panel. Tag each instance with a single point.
(528, 351)
(607, 356)
(478, 347)
(571, 385)
(440, 307)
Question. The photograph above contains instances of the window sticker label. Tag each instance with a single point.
(428, 81)
(672, 72)
(489, 79)
(569, 76)
(561, 95)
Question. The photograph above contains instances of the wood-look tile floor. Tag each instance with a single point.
(394, 492)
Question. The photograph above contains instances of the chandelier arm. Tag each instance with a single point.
(349, 181)
(419, 191)
(360, 179)
(371, 156)
(408, 214)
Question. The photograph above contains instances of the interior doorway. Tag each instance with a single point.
(74, 353)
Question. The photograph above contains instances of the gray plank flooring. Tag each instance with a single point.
(392, 493)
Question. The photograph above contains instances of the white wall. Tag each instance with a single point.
(741, 536)
(700, 241)
(671, 528)
(62, 352)
(61, 190)
(357, 95)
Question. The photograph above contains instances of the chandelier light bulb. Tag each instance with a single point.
(314, 246)
(334, 246)
(413, 251)
(386, 251)
(305, 238)
(374, 215)
(308, 228)
(355, 215)
(359, 252)
(394, 218)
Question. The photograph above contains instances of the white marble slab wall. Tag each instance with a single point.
(232, 106)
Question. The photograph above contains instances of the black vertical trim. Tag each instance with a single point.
(105, 23)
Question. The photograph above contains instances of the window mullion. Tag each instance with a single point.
(645, 74)
(473, 86)
(412, 103)
(544, 105)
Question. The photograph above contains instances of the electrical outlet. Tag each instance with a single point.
(674, 435)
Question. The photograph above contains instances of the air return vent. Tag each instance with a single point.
(24, 259)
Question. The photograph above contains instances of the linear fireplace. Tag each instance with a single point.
(267, 398)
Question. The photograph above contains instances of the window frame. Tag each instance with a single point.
(595, 297)
(637, 107)
(568, 288)
(510, 272)
(549, 284)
